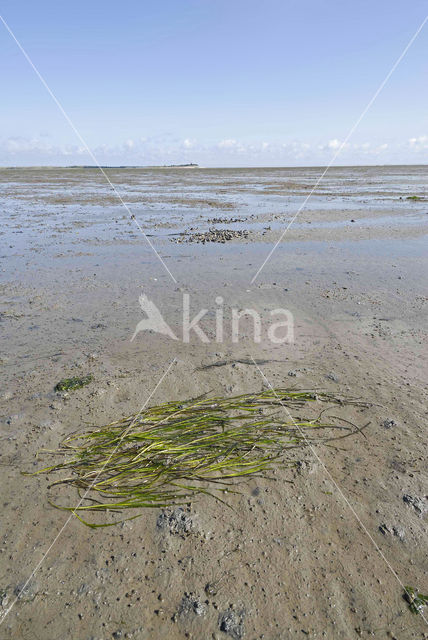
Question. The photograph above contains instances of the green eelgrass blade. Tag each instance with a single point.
(172, 452)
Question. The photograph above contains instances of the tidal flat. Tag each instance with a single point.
(320, 549)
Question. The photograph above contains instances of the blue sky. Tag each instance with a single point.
(218, 82)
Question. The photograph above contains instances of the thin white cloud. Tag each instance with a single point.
(228, 144)
(165, 148)
(418, 143)
(189, 144)
(19, 145)
(334, 144)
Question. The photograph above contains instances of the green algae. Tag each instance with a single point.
(71, 384)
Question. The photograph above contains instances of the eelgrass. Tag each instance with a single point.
(168, 453)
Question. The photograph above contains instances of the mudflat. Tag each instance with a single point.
(322, 548)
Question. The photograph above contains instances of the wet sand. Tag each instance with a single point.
(290, 559)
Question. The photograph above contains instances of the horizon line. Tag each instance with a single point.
(197, 166)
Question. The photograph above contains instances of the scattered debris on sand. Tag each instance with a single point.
(191, 604)
(177, 521)
(225, 220)
(212, 235)
(392, 530)
(26, 591)
(231, 622)
(388, 423)
(420, 505)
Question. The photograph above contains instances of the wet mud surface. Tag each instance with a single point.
(288, 557)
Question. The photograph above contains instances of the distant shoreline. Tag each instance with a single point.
(189, 165)
(197, 166)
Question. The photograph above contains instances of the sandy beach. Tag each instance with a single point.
(320, 549)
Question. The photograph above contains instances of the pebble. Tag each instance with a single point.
(211, 589)
(332, 376)
(388, 423)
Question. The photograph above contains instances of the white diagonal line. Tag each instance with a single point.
(351, 131)
(64, 526)
(336, 486)
(90, 152)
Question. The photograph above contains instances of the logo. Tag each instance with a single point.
(154, 321)
(279, 329)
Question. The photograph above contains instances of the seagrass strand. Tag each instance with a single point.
(173, 451)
